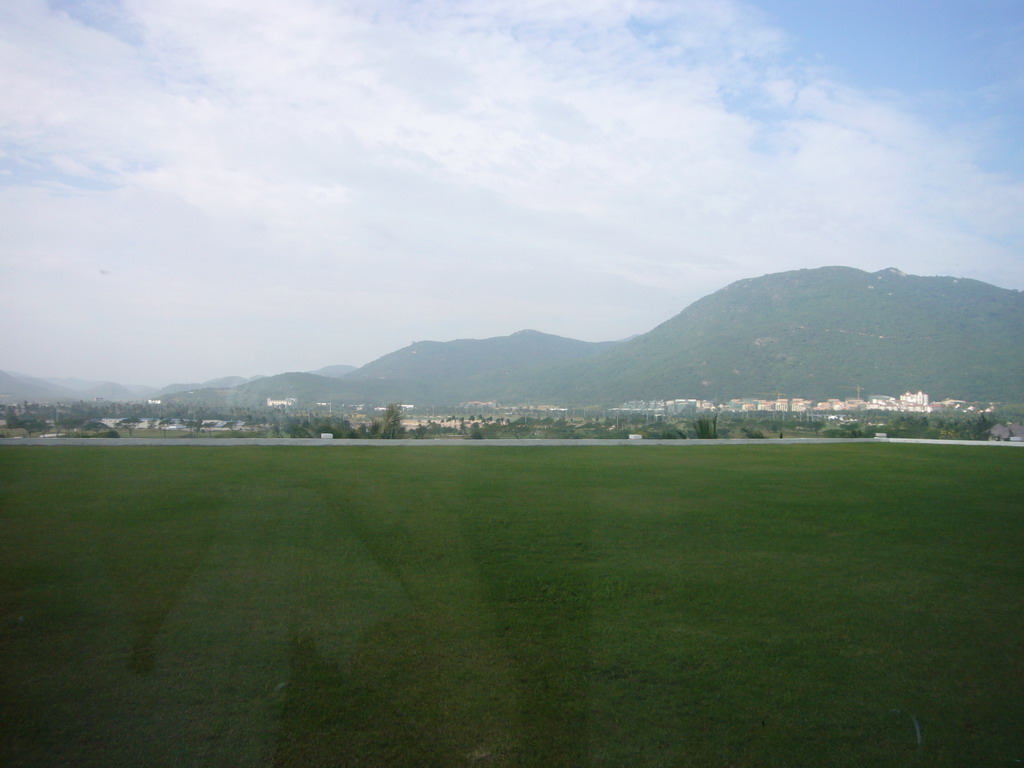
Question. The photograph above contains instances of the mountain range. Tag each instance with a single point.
(813, 333)
(19, 386)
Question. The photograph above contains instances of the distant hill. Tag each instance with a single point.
(86, 387)
(307, 388)
(17, 386)
(334, 371)
(815, 333)
(426, 372)
(225, 382)
(109, 390)
(465, 369)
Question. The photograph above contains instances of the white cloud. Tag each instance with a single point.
(322, 182)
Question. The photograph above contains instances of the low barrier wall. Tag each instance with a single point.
(214, 442)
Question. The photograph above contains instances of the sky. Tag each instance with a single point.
(205, 188)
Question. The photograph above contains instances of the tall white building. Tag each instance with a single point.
(914, 401)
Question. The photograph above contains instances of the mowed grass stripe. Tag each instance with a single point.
(748, 605)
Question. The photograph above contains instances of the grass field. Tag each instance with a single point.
(847, 605)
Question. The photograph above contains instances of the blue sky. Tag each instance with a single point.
(910, 45)
(198, 189)
(950, 61)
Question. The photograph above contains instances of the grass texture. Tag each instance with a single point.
(847, 605)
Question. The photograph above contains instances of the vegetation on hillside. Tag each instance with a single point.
(816, 333)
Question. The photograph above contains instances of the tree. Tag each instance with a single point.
(29, 423)
(980, 427)
(706, 427)
(71, 424)
(390, 426)
(94, 426)
(130, 423)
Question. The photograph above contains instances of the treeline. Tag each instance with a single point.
(84, 420)
(921, 426)
(949, 426)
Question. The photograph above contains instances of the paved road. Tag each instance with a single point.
(221, 442)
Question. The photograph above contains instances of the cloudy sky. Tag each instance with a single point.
(201, 188)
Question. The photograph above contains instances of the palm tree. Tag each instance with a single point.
(706, 427)
(390, 426)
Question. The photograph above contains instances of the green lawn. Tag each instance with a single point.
(449, 606)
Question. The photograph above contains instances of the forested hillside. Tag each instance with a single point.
(817, 333)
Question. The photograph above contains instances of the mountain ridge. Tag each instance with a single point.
(811, 333)
(808, 333)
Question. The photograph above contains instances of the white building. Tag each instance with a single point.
(286, 402)
(914, 401)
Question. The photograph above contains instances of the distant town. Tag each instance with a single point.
(909, 402)
(912, 414)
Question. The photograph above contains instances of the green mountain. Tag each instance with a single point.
(334, 371)
(450, 372)
(15, 387)
(225, 382)
(306, 388)
(426, 372)
(815, 333)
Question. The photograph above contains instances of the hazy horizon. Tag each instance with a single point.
(196, 190)
(78, 383)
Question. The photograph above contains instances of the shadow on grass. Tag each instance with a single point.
(417, 609)
(390, 704)
(151, 560)
(425, 684)
(533, 564)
